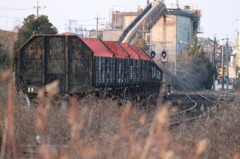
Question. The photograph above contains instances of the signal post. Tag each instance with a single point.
(164, 59)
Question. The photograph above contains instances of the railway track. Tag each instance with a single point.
(191, 107)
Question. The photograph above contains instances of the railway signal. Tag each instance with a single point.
(164, 54)
(153, 54)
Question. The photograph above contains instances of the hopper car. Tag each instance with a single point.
(84, 65)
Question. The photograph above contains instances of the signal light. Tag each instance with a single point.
(164, 54)
(153, 54)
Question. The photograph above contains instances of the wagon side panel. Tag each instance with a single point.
(30, 65)
(80, 66)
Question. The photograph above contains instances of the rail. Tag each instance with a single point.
(186, 110)
(195, 104)
(219, 105)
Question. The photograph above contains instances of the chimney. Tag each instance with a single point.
(147, 2)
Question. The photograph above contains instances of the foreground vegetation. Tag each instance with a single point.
(91, 127)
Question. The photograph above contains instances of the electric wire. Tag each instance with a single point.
(6, 8)
(11, 17)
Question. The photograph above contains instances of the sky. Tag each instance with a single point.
(219, 17)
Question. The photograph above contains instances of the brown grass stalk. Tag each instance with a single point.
(92, 127)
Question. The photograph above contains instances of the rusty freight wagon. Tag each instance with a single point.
(83, 65)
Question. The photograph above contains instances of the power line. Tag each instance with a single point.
(62, 16)
(6, 8)
(59, 17)
(12, 17)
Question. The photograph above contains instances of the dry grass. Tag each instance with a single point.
(92, 127)
(221, 129)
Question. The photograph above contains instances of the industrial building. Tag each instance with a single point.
(174, 32)
(161, 28)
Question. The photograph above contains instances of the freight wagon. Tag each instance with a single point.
(84, 65)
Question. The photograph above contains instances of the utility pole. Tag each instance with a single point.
(213, 61)
(97, 23)
(222, 67)
(177, 46)
(177, 2)
(227, 57)
(37, 8)
(148, 2)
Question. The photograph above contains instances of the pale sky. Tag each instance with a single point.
(219, 17)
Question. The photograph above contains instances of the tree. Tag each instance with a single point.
(7, 39)
(211, 72)
(4, 58)
(195, 50)
(201, 67)
(142, 44)
(32, 25)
